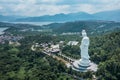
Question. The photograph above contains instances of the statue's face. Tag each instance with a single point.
(84, 33)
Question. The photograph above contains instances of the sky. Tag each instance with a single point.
(52, 7)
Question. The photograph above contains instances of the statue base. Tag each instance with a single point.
(84, 66)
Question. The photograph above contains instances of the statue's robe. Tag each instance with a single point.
(84, 48)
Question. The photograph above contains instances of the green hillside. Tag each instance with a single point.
(105, 50)
(91, 27)
(21, 63)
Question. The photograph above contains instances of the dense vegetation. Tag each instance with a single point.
(92, 27)
(106, 51)
(20, 63)
(71, 51)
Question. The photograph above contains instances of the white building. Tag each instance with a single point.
(72, 43)
(55, 48)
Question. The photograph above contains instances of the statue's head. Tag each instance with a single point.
(84, 33)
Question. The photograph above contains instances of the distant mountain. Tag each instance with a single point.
(5, 18)
(106, 15)
(59, 17)
(19, 26)
(9, 18)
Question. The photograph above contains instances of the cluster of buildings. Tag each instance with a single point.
(71, 33)
(48, 47)
(9, 38)
(39, 30)
(53, 48)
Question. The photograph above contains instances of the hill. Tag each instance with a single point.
(20, 63)
(58, 17)
(108, 15)
(92, 27)
(20, 26)
(9, 18)
(105, 15)
(105, 50)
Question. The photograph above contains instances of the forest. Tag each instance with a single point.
(21, 63)
(104, 51)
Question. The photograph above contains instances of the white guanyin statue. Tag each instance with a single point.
(84, 45)
(84, 62)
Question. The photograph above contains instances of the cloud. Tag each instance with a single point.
(51, 7)
(53, 1)
(1, 8)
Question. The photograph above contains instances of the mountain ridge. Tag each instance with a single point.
(112, 15)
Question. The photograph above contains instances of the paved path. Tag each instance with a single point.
(64, 56)
(32, 48)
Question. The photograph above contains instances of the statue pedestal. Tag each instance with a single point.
(81, 64)
(84, 65)
(84, 62)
